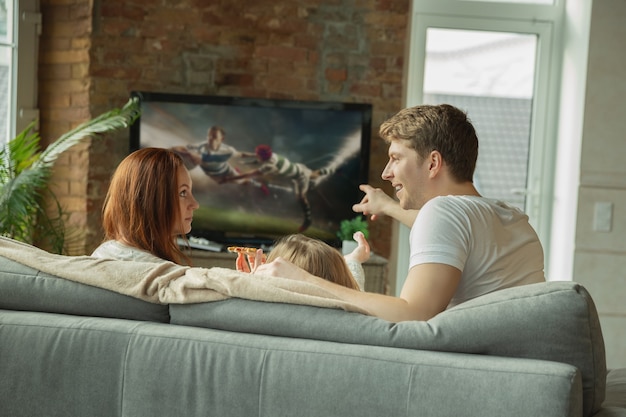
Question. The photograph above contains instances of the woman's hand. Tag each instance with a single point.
(362, 252)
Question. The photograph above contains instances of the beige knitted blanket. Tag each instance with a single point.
(169, 283)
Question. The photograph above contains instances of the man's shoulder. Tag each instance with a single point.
(469, 201)
(458, 202)
(471, 207)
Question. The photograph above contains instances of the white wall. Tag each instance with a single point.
(600, 256)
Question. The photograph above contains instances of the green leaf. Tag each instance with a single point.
(106, 122)
(348, 227)
(25, 172)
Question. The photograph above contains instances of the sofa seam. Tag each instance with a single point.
(132, 335)
(410, 390)
(261, 384)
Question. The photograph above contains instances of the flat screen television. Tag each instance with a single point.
(281, 167)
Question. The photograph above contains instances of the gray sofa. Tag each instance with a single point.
(69, 349)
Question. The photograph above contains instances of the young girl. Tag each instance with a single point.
(148, 205)
(316, 257)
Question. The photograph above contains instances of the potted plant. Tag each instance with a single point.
(25, 171)
(347, 229)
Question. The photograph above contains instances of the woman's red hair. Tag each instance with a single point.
(142, 205)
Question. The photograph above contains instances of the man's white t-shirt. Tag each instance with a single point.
(490, 242)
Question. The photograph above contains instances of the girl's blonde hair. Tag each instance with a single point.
(315, 257)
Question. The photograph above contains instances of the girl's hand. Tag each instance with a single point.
(362, 252)
(249, 262)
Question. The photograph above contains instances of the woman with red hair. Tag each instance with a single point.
(148, 205)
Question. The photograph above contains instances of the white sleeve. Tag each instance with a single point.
(357, 272)
(439, 235)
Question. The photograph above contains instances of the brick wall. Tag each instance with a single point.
(93, 53)
(64, 102)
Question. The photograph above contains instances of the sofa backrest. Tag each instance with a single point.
(27, 289)
(555, 321)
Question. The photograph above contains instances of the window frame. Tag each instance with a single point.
(25, 28)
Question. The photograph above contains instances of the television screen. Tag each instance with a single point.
(262, 168)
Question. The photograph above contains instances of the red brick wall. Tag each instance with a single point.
(95, 52)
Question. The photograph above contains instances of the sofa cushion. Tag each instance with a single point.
(555, 321)
(25, 288)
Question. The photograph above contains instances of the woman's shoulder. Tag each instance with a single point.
(113, 249)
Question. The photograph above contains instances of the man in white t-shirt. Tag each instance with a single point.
(462, 245)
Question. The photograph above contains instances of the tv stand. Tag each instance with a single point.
(376, 276)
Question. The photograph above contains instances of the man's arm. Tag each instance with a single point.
(376, 203)
(427, 291)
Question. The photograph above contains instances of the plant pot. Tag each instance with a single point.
(347, 246)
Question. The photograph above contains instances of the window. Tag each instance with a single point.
(496, 61)
(490, 75)
(20, 25)
(6, 54)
